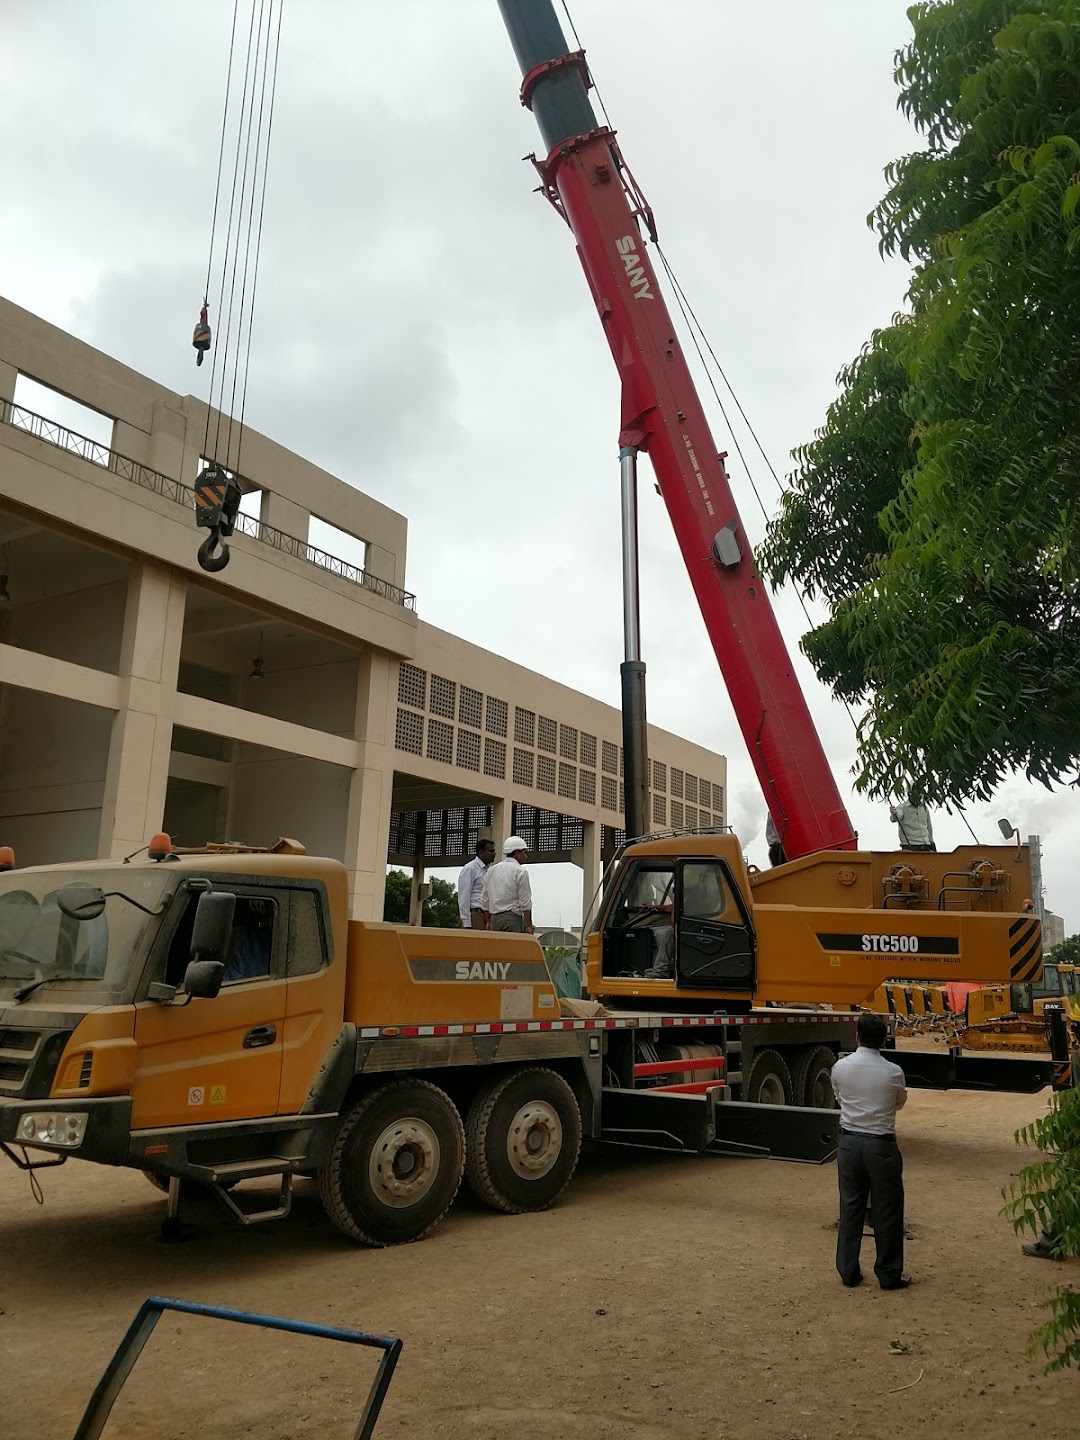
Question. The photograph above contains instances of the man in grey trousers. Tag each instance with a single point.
(869, 1166)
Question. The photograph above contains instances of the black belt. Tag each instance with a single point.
(868, 1135)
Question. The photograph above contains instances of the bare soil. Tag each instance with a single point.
(662, 1297)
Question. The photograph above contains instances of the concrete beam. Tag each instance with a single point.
(194, 713)
(199, 769)
(27, 670)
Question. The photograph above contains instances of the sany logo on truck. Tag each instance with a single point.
(635, 272)
(481, 970)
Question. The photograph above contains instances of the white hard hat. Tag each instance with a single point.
(515, 843)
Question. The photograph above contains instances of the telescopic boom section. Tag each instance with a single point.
(586, 180)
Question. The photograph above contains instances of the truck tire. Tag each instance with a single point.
(523, 1137)
(395, 1164)
(810, 1077)
(769, 1081)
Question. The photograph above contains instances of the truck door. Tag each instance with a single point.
(214, 1060)
(714, 939)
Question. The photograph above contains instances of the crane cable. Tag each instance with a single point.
(249, 141)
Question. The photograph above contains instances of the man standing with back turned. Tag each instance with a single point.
(869, 1166)
(507, 892)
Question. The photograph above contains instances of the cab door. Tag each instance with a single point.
(714, 940)
(220, 1059)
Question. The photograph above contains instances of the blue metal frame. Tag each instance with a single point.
(151, 1311)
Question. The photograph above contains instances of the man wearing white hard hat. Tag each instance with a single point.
(507, 892)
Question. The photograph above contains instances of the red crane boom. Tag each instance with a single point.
(586, 179)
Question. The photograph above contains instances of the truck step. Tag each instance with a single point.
(246, 1169)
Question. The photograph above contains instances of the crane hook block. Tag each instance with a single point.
(217, 502)
(202, 336)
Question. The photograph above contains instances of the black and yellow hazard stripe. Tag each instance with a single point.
(209, 493)
(1025, 949)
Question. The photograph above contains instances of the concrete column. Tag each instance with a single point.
(130, 441)
(285, 515)
(588, 857)
(8, 375)
(501, 813)
(133, 806)
(418, 893)
(367, 833)
(168, 437)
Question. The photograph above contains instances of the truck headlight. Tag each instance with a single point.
(52, 1127)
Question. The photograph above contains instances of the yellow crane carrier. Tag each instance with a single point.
(215, 1016)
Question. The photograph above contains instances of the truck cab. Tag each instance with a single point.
(676, 917)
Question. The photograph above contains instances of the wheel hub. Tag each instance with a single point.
(772, 1091)
(534, 1140)
(404, 1162)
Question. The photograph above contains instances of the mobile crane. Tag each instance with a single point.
(587, 181)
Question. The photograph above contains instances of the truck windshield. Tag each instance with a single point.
(37, 942)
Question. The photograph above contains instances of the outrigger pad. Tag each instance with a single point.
(776, 1132)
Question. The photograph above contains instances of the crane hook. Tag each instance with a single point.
(207, 559)
(202, 336)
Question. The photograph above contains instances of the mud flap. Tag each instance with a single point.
(776, 1132)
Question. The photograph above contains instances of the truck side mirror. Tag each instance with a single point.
(202, 979)
(212, 930)
(1007, 828)
(79, 901)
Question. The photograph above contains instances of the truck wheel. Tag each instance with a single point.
(810, 1077)
(769, 1082)
(395, 1165)
(523, 1140)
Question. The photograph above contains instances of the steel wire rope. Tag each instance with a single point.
(696, 328)
(229, 235)
(217, 199)
(258, 237)
(254, 132)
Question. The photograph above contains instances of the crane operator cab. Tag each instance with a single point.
(674, 919)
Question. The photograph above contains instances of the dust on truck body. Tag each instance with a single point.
(215, 1016)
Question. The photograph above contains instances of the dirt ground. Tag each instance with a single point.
(662, 1297)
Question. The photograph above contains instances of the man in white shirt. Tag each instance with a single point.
(470, 887)
(912, 819)
(870, 1090)
(772, 839)
(507, 892)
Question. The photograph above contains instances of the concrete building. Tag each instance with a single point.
(297, 692)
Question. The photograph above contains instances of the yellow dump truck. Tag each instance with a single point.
(215, 1016)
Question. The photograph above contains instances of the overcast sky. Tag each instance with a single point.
(423, 327)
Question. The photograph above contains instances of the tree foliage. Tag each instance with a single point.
(1045, 1196)
(440, 908)
(937, 510)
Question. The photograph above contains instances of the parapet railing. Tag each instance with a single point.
(19, 418)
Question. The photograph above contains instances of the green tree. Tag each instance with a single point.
(1045, 1196)
(440, 908)
(1067, 953)
(937, 510)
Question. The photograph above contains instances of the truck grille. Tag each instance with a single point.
(17, 1039)
(18, 1051)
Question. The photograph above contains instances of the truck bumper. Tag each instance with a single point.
(105, 1139)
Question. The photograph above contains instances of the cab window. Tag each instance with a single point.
(251, 954)
(705, 894)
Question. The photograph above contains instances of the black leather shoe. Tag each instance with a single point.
(850, 1284)
(901, 1284)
